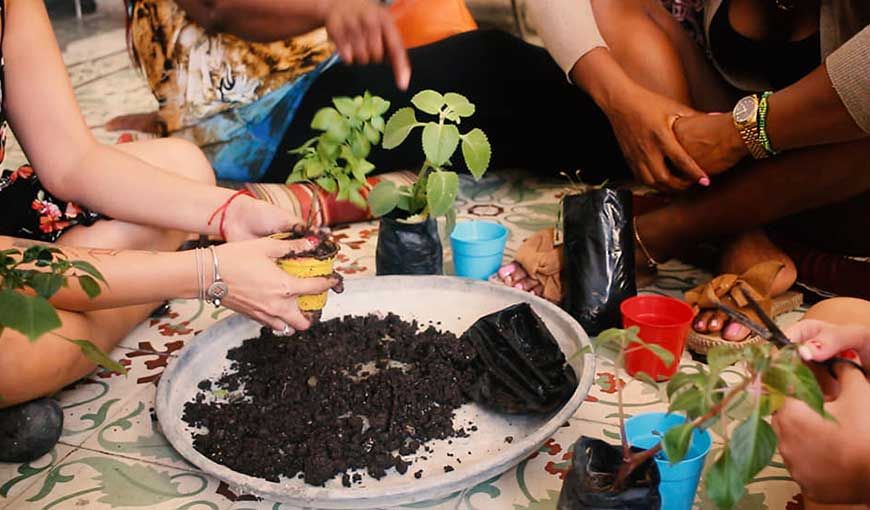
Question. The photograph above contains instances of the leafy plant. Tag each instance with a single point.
(336, 159)
(29, 279)
(768, 376)
(436, 188)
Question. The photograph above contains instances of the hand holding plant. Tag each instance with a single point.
(768, 377)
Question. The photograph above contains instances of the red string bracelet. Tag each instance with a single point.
(223, 210)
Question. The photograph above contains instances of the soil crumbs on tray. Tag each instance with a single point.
(349, 393)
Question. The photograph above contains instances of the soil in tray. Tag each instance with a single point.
(325, 246)
(356, 392)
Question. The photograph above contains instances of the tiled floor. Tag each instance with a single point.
(112, 454)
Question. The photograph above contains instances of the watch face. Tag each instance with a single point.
(744, 110)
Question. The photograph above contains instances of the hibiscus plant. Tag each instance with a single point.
(29, 278)
(767, 375)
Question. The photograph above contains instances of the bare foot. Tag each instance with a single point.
(744, 252)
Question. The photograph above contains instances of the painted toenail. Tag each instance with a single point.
(733, 330)
(507, 270)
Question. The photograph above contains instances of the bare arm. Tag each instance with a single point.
(810, 112)
(258, 20)
(362, 30)
(45, 117)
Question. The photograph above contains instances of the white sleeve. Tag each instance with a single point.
(568, 29)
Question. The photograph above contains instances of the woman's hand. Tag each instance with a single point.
(364, 33)
(249, 218)
(260, 289)
(821, 340)
(829, 458)
(711, 140)
(642, 121)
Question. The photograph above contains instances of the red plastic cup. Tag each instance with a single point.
(663, 321)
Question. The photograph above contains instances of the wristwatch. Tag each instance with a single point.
(745, 116)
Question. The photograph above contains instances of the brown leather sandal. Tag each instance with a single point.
(726, 289)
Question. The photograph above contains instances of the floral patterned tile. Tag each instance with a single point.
(95, 481)
(91, 402)
(15, 479)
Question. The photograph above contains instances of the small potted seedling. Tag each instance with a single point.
(608, 476)
(335, 160)
(315, 263)
(408, 241)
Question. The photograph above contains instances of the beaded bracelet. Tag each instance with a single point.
(762, 123)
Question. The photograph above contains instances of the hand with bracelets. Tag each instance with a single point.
(244, 277)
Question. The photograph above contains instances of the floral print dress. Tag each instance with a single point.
(27, 210)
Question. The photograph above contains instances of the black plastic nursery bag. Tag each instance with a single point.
(599, 256)
(408, 248)
(587, 485)
(521, 367)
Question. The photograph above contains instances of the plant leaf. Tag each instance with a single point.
(752, 445)
(325, 118)
(428, 101)
(807, 388)
(46, 284)
(440, 142)
(327, 183)
(676, 442)
(459, 104)
(690, 400)
(723, 482)
(378, 123)
(343, 187)
(88, 268)
(379, 106)
(89, 285)
(666, 356)
(345, 106)
(32, 316)
(681, 380)
(93, 353)
(477, 152)
(383, 198)
(313, 168)
(338, 132)
(451, 220)
(399, 127)
(372, 134)
(360, 145)
(441, 191)
(722, 357)
(360, 169)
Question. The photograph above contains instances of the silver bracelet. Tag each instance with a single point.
(200, 277)
(218, 289)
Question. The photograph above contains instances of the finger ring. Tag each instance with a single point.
(287, 331)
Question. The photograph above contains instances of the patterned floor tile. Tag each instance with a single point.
(95, 481)
(134, 433)
(15, 479)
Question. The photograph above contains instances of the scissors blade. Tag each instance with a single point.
(776, 334)
(742, 319)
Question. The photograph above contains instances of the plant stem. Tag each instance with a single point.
(637, 459)
(626, 449)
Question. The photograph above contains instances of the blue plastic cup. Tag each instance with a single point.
(478, 248)
(679, 482)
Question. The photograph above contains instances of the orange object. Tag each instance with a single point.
(424, 22)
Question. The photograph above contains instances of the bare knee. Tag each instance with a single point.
(841, 310)
(190, 162)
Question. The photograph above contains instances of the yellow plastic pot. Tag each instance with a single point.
(309, 267)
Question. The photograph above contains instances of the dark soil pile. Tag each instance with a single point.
(357, 392)
(325, 246)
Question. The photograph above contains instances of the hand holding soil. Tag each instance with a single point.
(260, 289)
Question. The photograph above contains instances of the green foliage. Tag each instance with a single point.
(764, 378)
(436, 188)
(44, 270)
(336, 160)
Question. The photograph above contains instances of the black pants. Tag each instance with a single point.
(534, 117)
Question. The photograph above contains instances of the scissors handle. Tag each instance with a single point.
(831, 365)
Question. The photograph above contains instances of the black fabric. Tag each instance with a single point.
(408, 248)
(534, 117)
(599, 256)
(522, 368)
(30, 430)
(591, 459)
(780, 62)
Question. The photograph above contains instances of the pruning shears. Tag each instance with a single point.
(772, 333)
